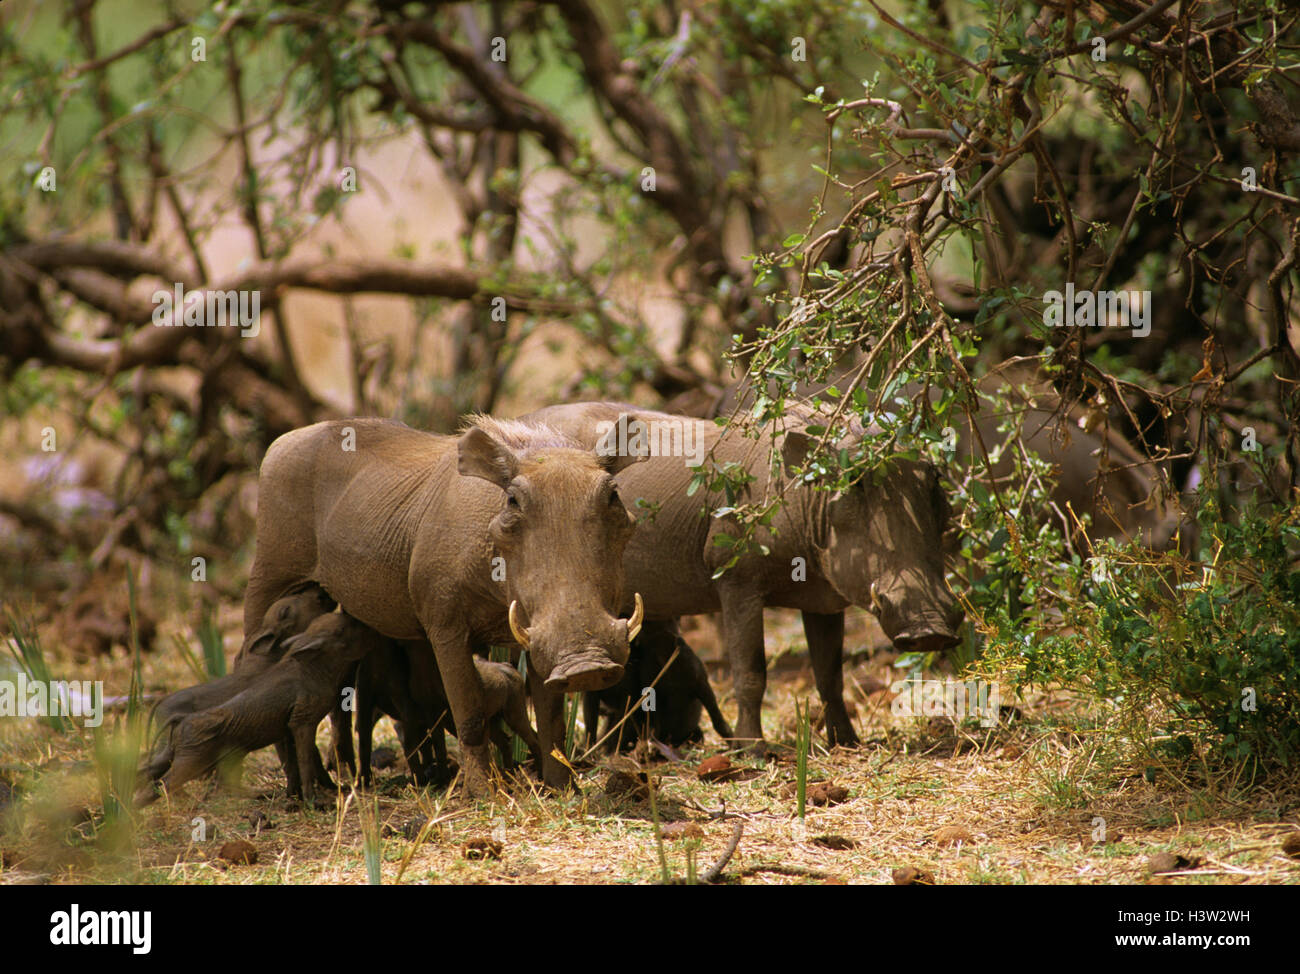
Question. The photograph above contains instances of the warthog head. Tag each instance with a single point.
(561, 533)
(332, 640)
(884, 548)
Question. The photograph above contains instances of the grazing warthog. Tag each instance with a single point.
(506, 531)
(876, 545)
(288, 700)
(286, 618)
(1099, 473)
(680, 694)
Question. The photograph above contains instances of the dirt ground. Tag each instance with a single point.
(1047, 796)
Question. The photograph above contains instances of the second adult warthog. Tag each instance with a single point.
(877, 545)
(663, 661)
(506, 531)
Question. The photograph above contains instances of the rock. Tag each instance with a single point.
(1169, 862)
(1291, 844)
(836, 842)
(408, 831)
(825, 793)
(482, 848)
(681, 830)
(620, 784)
(716, 768)
(912, 876)
(953, 835)
(239, 851)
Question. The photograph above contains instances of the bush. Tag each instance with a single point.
(1195, 657)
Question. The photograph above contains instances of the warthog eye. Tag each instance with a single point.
(614, 498)
(511, 500)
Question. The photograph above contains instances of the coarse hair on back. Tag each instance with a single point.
(523, 438)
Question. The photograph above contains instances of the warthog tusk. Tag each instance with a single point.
(638, 617)
(516, 630)
(875, 600)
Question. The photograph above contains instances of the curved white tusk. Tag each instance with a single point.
(875, 600)
(638, 617)
(516, 630)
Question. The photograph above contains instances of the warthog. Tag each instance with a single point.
(1099, 472)
(680, 693)
(289, 700)
(400, 680)
(876, 545)
(287, 617)
(508, 530)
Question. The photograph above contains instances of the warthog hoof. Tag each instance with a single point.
(578, 674)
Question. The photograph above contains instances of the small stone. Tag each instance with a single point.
(239, 851)
(825, 793)
(953, 835)
(1169, 862)
(837, 843)
(1291, 844)
(620, 784)
(482, 848)
(912, 876)
(716, 768)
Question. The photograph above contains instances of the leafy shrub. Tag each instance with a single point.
(1195, 657)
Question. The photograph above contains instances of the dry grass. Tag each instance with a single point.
(1027, 797)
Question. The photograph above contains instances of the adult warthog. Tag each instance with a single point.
(506, 530)
(877, 545)
(1097, 471)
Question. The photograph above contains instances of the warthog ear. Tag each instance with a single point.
(303, 645)
(794, 448)
(263, 642)
(798, 443)
(482, 456)
(625, 443)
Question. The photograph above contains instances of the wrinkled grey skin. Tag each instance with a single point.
(681, 694)
(1100, 473)
(288, 700)
(286, 618)
(403, 532)
(877, 545)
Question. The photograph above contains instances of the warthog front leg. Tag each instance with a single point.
(308, 759)
(742, 625)
(465, 695)
(549, 706)
(826, 650)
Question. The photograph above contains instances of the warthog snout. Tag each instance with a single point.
(590, 669)
(598, 665)
(917, 631)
